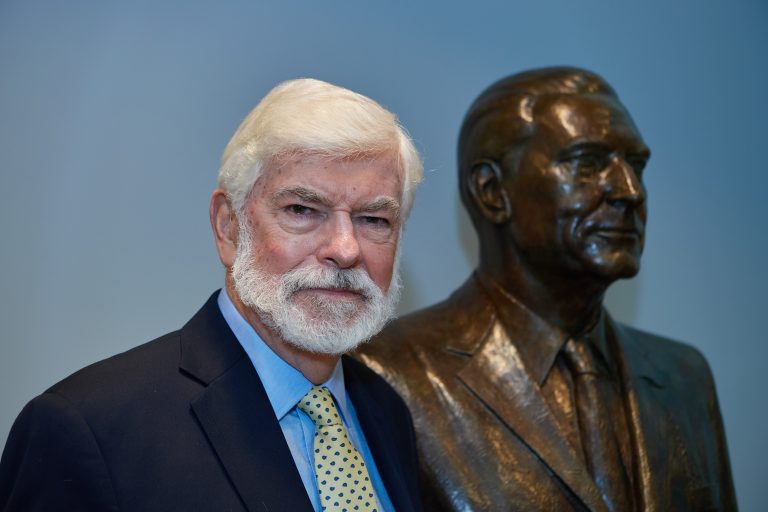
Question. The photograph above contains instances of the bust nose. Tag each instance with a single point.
(622, 183)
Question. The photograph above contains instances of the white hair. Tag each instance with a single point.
(314, 117)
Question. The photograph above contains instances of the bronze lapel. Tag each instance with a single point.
(649, 419)
(498, 377)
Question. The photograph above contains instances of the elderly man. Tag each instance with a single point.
(251, 406)
(525, 393)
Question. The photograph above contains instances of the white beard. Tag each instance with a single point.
(321, 325)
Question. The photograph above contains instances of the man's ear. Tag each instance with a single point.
(224, 224)
(487, 191)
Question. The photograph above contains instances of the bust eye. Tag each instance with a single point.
(586, 164)
(637, 163)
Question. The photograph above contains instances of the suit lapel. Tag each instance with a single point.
(234, 412)
(383, 447)
(497, 376)
(648, 417)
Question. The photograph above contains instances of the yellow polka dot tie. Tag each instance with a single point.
(342, 477)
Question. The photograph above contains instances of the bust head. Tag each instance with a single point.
(550, 167)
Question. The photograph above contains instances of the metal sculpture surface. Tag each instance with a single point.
(525, 394)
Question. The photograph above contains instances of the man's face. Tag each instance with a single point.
(578, 199)
(318, 243)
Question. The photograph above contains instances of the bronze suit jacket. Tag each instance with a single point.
(488, 441)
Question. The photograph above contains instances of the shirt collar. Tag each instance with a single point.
(537, 341)
(284, 384)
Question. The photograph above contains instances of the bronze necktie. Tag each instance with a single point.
(594, 395)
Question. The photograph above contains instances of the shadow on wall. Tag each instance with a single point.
(411, 298)
(414, 299)
(622, 300)
(467, 236)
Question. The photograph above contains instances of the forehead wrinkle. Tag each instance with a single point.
(572, 120)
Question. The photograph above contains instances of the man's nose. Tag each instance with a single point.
(340, 246)
(623, 183)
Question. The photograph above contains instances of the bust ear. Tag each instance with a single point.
(487, 191)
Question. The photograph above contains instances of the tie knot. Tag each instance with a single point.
(579, 357)
(318, 404)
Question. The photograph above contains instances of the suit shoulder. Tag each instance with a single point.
(656, 341)
(400, 341)
(49, 429)
(136, 371)
(677, 358)
(465, 314)
(375, 385)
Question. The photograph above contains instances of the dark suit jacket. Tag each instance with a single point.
(488, 441)
(183, 423)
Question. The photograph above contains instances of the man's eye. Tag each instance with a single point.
(298, 209)
(375, 221)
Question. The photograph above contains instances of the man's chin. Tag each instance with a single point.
(318, 342)
(338, 312)
(327, 348)
(324, 329)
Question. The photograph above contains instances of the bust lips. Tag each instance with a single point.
(617, 233)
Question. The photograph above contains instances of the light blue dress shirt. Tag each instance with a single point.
(285, 386)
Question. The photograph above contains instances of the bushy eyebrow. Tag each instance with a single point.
(382, 203)
(310, 196)
(304, 194)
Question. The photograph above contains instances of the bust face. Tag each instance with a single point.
(577, 197)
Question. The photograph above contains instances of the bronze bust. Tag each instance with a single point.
(525, 394)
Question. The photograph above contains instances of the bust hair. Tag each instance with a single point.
(501, 120)
(308, 116)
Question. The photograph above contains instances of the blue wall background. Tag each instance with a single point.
(113, 116)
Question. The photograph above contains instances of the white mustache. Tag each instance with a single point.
(355, 280)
